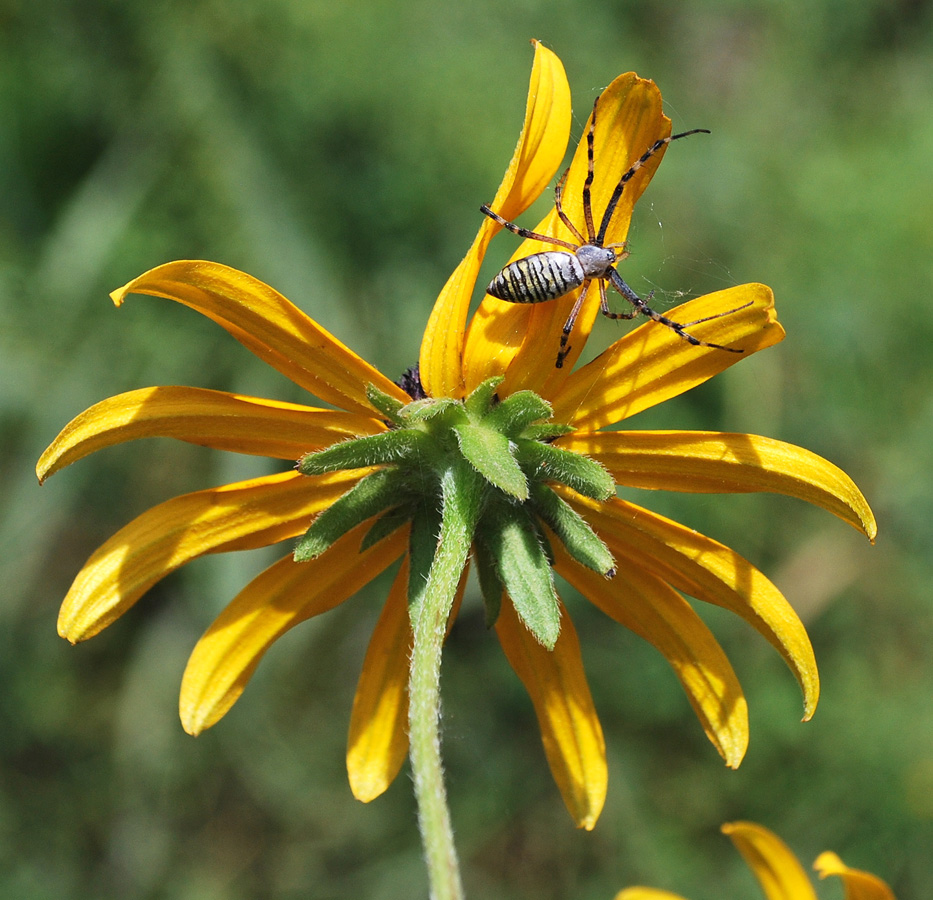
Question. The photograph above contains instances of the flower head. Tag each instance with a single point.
(779, 873)
(487, 432)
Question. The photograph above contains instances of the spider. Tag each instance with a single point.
(551, 274)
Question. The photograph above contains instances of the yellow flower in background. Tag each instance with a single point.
(779, 873)
(486, 406)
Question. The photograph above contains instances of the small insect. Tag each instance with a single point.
(553, 273)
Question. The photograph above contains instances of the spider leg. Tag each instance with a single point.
(617, 193)
(558, 196)
(677, 327)
(524, 232)
(604, 306)
(564, 348)
(728, 312)
(587, 200)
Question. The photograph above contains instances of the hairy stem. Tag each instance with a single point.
(430, 610)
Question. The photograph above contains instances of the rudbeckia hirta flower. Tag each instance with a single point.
(779, 873)
(484, 452)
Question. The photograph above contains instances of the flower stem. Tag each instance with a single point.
(430, 611)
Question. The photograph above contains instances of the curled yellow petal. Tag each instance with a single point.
(859, 885)
(279, 598)
(261, 319)
(210, 418)
(652, 364)
(543, 141)
(653, 610)
(629, 120)
(718, 462)
(709, 571)
(570, 729)
(239, 516)
(778, 872)
(378, 741)
(539, 152)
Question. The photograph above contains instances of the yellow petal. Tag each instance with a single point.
(378, 740)
(859, 885)
(570, 729)
(653, 610)
(646, 893)
(652, 364)
(721, 463)
(210, 418)
(709, 571)
(629, 120)
(239, 516)
(442, 344)
(780, 875)
(524, 338)
(543, 141)
(281, 597)
(540, 150)
(275, 330)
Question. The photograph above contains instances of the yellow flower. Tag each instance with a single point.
(779, 873)
(506, 352)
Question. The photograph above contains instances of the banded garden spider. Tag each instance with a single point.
(551, 274)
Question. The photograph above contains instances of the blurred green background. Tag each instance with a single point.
(340, 152)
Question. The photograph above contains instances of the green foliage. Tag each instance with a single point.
(340, 152)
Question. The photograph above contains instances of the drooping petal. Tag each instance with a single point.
(709, 571)
(652, 364)
(540, 150)
(210, 418)
(859, 885)
(238, 516)
(570, 729)
(279, 598)
(653, 610)
(774, 865)
(523, 339)
(378, 741)
(718, 462)
(261, 319)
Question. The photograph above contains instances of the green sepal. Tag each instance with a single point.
(545, 431)
(387, 523)
(574, 532)
(549, 463)
(384, 403)
(369, 497)
(490, 584)
(387, 448)
(517, 412)
(422, 410)
(510, 534)
(544, 541)
(490, 453)
(481, 398)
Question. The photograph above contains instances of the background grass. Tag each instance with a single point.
(340, 152)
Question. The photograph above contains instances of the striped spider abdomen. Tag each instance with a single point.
(550, 274)
(539, 277)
